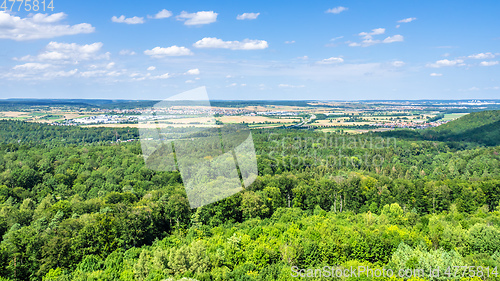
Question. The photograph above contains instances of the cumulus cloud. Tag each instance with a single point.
(331, 60)
(336, 10)
(482, 56)
(62, 73)
(436, 74)
(194, 71)
(127, 53)
(151, 68)
(395, 38)
(37, 71)
(173, 51)
(369, 35)
(488, 63)
(38, 26)
(32, 66)
(163, 14)
(198, 18)
(445, 62)
(163, 76)
(46, 18)
(290, 42)
(407, 20)
(247, 16)
(247, 44)
(369, 41)
(68, 53)
(132, 20)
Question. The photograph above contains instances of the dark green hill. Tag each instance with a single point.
(470, 121)
(477, 127)
(481, 128)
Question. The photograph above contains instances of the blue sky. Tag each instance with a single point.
(324, 50)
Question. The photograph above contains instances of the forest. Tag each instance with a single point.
(479, 128)
(76, 204)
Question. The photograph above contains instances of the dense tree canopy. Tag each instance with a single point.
(74, 209)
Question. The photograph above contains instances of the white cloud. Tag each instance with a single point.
(290, 42)
(132, 20)
(407, 20)
(189, 81)
(331, 60)
(38, 26)
(163, 76)
(482, 56)
(32, 66)
(445, 62)
(53, 56)
(290, 86)
(173, 51)
(247, 44)
(303, 58)
(247, 16)
(194, 71)
(127, 53)
(68, 53)
(57, 74)
(368, 37)
(151, 68)
(198, 18)
(369, 41)
(395, 38)
(336, 10)
(488, 63)
(336, 38)
(46, 18)
(398, 63)
(163, 14)
(93, 73)
(102, 73)
(436, 74)
(110, 65)
(376, 31)
(34, 75)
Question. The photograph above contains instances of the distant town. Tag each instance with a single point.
(355, 116)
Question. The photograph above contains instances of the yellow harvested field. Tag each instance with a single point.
(256, 119)
(14, 114)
